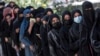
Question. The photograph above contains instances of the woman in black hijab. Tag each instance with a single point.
(15, 11)
(95, 33)
(74, 37)
(15, 32)
(64, 31)
(86, 26)
(7, 26)
(89, 14)
(37, 33)
(54, 37)
(43, 34)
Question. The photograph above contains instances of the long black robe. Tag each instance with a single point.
(44, 39)
(7, 46)
(64, 34)
(74, 39)
(15, 36)
(85, 48)
(95, 39)
(79, 44)
(16, 25)
(37, 39)
(86, 27)
(95, 34)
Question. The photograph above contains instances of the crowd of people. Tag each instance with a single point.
(41, 32)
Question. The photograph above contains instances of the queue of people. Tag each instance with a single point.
(41, 32)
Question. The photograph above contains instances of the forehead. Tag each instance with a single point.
(66, 15)
(76, 13)
(54, 18)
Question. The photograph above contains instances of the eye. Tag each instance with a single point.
(86, 9)
(90, 8)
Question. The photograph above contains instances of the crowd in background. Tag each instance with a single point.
(41, 32)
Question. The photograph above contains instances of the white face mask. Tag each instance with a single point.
(78, 19)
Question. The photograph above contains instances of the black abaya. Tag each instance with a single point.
(55, 43)
(44, 39)
(7, 46)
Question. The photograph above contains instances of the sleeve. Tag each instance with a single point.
(23, 39)
(50, 41)
(3, 32)
(64, 41)
(94, 41)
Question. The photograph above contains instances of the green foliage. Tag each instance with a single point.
(59, 8)
(24, 3)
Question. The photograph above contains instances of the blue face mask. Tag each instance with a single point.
(78, 19)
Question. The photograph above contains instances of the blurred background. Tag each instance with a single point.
(57, 5)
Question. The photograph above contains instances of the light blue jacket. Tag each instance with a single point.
(23, 27)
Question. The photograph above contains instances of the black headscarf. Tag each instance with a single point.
(46, 18)
(48, 9)
(38, 11)
(76, 10)
(29, 7)
(67, 22)
(88, 13)
(39, 15)
(50, 20)
(75, 26)
(20, 12)
(2, 3)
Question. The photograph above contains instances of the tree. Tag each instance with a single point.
(35, 3)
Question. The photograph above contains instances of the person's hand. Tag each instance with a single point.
(22, 45)
(76, 55)
(16, 48)
(17, 30)
(6, 39)
(29, 31)
(31, 47)
(30, 27)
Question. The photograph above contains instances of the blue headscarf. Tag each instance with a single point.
(27, 11)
